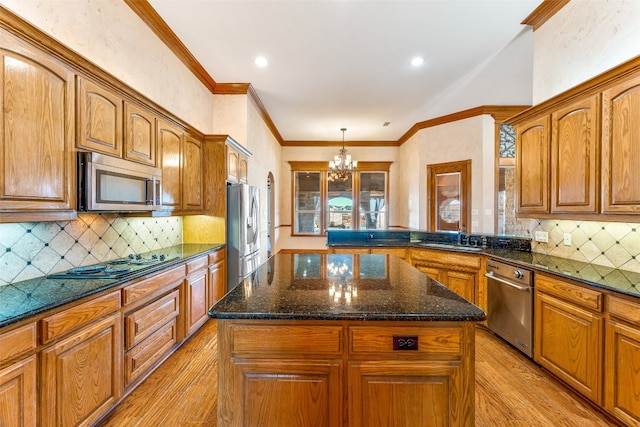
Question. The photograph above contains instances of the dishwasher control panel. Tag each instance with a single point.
(509, 272)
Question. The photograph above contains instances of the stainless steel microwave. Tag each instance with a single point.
(108, 183)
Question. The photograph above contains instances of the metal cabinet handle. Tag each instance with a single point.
(506, 282)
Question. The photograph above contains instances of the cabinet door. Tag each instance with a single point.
(462, 283)
(18, 398)
(575, 144)
(217, 281)
(197, 300)
(99, 119)
(37, 164)
(193, 196)
(277, 393)
(233, 164)
(621, 148)
(622, 378)
(412, 393)
(243, 166)
(82, 374)
(170, 147)
(140, 136)
(433, 272)
(568, 342)
(532, 166)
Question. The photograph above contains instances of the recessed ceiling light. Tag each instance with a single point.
(418, 60)
(261, 61)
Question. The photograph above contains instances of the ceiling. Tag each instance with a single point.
(347, 63)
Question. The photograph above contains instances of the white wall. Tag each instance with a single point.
(471, 138)
(109, 34)
(584, 39)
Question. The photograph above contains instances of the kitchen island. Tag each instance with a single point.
(344, 340)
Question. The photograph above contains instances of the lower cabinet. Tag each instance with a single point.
(217, 275)
(196, 294)
(81, 375)
(622, 360)
(336, 373)
(458, 272)
(18, 397)
(569, 334)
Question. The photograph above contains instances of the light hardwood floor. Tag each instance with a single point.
(510, 390)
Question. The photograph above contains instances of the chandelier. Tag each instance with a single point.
(341, 167)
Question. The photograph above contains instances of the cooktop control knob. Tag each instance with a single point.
(154, 256)
(130, 256)
(162, 257)
(518, 274)
(138, 256)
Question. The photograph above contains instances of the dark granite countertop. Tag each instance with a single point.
(342, 287)
(512, 249)
(21, 300)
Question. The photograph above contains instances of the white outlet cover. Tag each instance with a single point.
(541, 236)
(567, 239)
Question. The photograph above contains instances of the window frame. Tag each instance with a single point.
(323, 168)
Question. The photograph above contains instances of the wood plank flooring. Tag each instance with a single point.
(510, 390)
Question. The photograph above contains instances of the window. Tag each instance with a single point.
(320, 201)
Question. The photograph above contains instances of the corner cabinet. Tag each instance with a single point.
(37, 164)
(237, 160)
(192, 173)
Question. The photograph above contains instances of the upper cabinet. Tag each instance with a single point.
(99, 119)
(575, 148)
(139, 134)
(578, 155)
(37, 165)
(192, 174)
(621, 147)
(532, 166)
(170, 160)
(237, 162)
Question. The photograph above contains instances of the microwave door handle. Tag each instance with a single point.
(149, 193)
(157, 193)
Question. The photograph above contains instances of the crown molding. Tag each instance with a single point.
(153, 20)
(544, 12)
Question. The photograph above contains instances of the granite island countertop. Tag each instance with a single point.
(342, 287)
(27, 298)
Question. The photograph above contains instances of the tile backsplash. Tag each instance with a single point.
(612, 244)
(29, 250)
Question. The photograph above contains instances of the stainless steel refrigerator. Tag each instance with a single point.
(243, 232)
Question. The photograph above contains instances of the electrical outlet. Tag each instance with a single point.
(541, 236)
(567, 239)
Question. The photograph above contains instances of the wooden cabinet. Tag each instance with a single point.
(575, 156)
(622, 360)
(569, 334)
(237, 162)
(192, 175)
(18, 377)
(532, 166)
(99, 119)
(197, 293)
(18, 396)
(217, 275)
(139, 134)
(82, 374)
(328, 373)
(620, 148)
(169, 139)
(459, 272)
(37, 164)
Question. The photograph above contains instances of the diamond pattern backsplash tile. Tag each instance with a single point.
(611, 244)
(29, 250)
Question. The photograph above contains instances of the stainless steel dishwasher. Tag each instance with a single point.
(510, 304)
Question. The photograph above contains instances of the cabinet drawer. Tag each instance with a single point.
(375, 340)
(144, 321)
(586, 298)
(197, 264)
(17, 342)
(144, 356)
(449, 259)
(624, 309)
(73, 318)
(217, 256)
(153, 285)
(283, 339)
